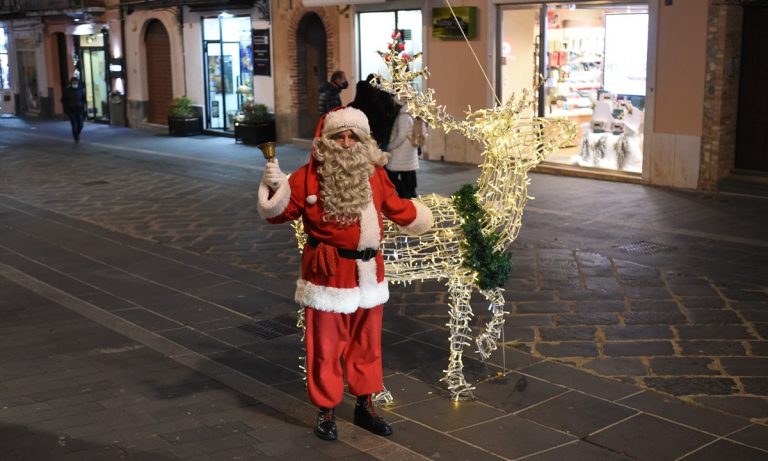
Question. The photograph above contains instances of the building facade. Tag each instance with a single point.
(664, 92)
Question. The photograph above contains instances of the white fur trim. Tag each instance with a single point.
(271, 207)
(423, 221)
(370, 233)
(369, 286)
(345, 119)
(341, 300)
(312, 199)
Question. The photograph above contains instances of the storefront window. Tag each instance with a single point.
(378, 27)
(229, 68)
(5, 81)
(593, 60)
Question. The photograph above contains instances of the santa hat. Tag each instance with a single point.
(345, 119)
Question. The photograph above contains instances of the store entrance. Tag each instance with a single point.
(29, 98)
(229, 68)
(593, 60)
(751, 135)
(93, 68)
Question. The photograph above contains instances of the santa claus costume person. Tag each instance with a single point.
(341, 195)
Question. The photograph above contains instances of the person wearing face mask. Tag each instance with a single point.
(74, 104)
(341, 195)
(330, 92)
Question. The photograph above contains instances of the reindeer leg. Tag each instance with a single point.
(488, 340)
(461, 313)
(301, 324)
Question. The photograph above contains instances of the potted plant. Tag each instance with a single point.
(183, 118)
(254, 124)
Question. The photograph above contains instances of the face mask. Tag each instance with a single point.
(344, 85)
(75, 85)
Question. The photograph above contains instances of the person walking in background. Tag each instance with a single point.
(330, 92)
(74, 104)
(404, 150)
(341, 195)
(379, 107)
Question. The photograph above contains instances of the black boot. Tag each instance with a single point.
(325, 428)
(366, 417)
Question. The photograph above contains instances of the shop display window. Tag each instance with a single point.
(5, 82)
(592, 58)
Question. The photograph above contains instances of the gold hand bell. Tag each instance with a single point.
(268, 149)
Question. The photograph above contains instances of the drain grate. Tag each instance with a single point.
(644, 248)
(272, 328)
(98, 182)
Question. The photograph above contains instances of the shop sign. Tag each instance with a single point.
(262, 64)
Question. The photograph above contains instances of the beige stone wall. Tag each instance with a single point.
(458, 81)
(721, 92)
(672, 148)
(680, 62)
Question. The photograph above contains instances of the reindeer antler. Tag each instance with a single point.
(479, 125)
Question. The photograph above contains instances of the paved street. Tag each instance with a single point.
(149, 315)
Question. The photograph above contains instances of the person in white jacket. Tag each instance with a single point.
(404, 155)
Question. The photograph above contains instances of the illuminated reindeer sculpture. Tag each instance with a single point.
(513, 145)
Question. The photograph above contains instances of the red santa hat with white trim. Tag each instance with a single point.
(347, 118)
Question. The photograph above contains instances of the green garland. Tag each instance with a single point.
(492, 266)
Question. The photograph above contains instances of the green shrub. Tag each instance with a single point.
(182, 108)
(254, 112)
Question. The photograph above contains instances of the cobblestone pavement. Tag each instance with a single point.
(659, 288)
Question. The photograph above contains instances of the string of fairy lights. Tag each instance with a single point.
(512, 145)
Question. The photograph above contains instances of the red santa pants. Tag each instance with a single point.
(354, 338)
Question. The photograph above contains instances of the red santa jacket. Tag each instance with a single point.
(354, 283)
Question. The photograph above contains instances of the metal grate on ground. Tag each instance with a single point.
(283, 325)
(644, 248)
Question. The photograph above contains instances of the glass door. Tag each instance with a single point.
(5, 81)
(228, 68)
(29, 97)
(95, 82)
(216, 109)
(92, 62)
(519, 59)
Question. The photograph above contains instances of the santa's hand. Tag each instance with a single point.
(273, 176)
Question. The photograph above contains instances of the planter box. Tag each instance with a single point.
(255, 132)
(185, 126)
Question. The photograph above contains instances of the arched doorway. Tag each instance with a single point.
(159, 78)
(311, 58)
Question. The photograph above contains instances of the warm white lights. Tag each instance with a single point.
(512, 146)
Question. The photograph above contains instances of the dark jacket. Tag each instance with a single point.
(380, 108)
(330, 97)
(73, 100)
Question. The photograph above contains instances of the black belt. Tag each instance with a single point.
(365, 255)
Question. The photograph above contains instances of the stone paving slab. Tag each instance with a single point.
(431, 408)
(76, 420)
(584, 276)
